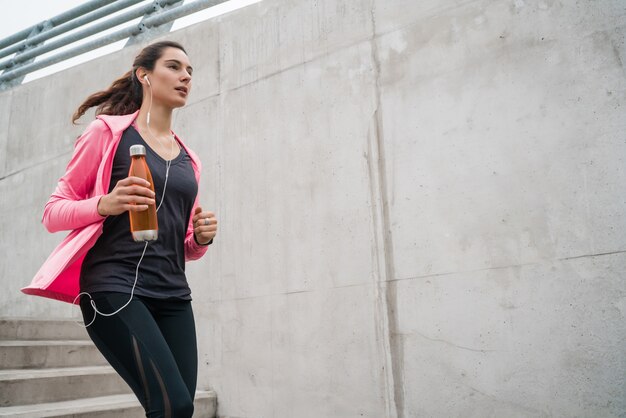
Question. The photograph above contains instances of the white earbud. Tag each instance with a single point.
(145, 77)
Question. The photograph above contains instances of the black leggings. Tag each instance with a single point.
(151, 343)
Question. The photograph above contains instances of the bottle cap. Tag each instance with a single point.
(137, 150)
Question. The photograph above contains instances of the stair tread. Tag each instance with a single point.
(12, 319)
(42, 329)
(37, 319)
(28, 343)
(76, 406)
(22, 374)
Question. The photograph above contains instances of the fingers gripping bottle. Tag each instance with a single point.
(143, 224)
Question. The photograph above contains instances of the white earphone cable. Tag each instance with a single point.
(168, 163)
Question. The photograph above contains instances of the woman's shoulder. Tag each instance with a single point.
(96, 129)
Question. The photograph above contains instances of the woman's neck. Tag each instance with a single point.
(160, 119)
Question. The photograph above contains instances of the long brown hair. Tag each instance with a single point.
(125, 94)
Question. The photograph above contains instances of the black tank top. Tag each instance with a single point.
(109, 266)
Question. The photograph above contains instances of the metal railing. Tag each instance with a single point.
(30, 43)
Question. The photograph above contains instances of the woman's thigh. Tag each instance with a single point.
(176, 321)
(133, 344)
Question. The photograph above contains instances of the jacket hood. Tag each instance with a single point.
(118, 123)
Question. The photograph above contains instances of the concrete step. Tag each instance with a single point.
(41, 329)
(43, 353)
(113, 406)
(27, 387)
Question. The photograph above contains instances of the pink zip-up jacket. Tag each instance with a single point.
(74, 206)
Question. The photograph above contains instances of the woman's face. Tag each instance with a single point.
(170, 80)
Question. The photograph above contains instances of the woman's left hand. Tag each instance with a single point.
(204, 226)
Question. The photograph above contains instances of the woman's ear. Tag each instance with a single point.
(141, 75)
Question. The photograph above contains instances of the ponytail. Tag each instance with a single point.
(123, 96)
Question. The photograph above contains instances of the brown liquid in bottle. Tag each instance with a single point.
(143, 224)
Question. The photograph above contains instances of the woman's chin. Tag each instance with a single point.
(176, 103)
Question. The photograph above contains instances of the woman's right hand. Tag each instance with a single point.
(129, 194)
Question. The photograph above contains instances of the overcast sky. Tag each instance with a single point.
(23, 14)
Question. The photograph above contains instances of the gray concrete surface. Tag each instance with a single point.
(62, 382)
(421, 205)
(34, 386)
(38, 329)
(18, 354)
(112, 406)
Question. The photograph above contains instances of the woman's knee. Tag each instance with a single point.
(174, 408)
(182, 408)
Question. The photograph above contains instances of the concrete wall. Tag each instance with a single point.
(421, 205)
